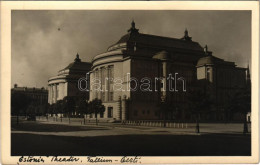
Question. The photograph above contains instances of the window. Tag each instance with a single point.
(111, 71)
(143, 112)
(103, 83)
(208, 73)
(135, 113)
(111, 96)
(96, 78)
(103, 96)
(101, 114)
(110, 82)
(110, 112)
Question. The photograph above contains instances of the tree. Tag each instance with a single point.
(47, 106)
(96, 107)
(199, 102)
(82, 107)
(68, 105)
(19, 103)
(58, 108)
(242, 103)
(43, 109)
(227, 107)
(168, 108)
(51, 109)
(55, 110)
(31, 109)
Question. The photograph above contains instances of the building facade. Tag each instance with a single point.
(37, 95)
(66, 82)
(133, 77)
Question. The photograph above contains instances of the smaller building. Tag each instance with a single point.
(37, 95)
(66, 82)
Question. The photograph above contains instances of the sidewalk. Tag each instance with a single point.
(56, 138)
(205, 128)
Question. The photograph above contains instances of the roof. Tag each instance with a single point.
(158, 41)
(163, 55)
(29, 89)
(78, 65)
(212, 60)
(124, 39)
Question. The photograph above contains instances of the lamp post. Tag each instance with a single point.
(197, 124)
(164, 110)
(61, 115)
(245, 130)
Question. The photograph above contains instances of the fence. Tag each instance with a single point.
(81, 121)
(155, 123)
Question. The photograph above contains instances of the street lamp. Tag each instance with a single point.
(197, 124)
(163, 97)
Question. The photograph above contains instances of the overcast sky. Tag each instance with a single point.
(39, 49)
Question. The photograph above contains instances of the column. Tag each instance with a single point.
(118, 114)
(49, 94)
(107, 82)
(52, 94)
(124, 108)
(51, 99)
(99, 78)
(55, 93)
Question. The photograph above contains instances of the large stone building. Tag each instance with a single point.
(137, 56)
(37, 95)
(66, 82)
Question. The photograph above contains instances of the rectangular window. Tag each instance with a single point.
(103, 96)
(96, 78)
(111, 74)
(208, 73)
(101, 114)
(111, 96)
(110, 112)
(111, 71)
(135, 113)
(110, 82)
(103, 71)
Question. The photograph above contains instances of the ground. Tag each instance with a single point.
(42, 138)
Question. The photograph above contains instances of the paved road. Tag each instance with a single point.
(52, 138)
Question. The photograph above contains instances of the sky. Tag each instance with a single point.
(44, 42)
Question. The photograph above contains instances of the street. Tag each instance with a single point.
(43, 138)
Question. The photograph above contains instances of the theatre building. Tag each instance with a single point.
(66, 82)
(137, 56)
